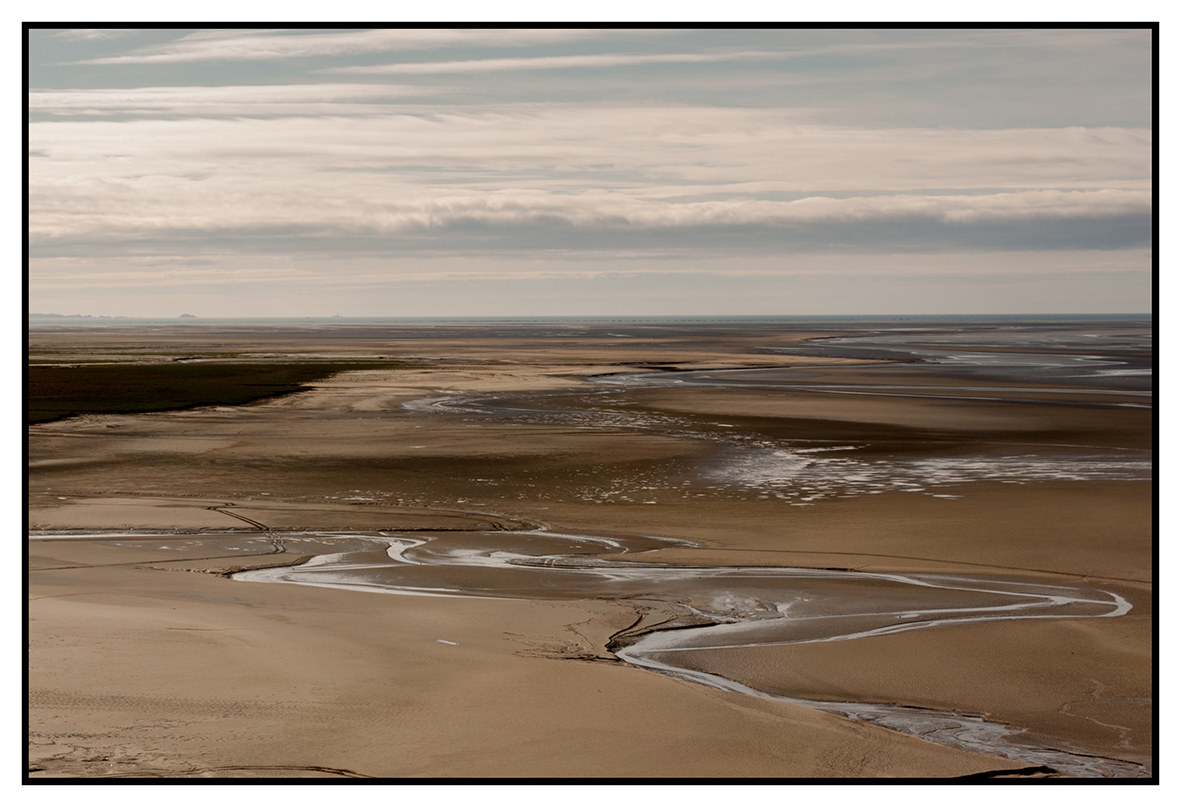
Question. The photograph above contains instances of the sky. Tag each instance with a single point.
(498, 171)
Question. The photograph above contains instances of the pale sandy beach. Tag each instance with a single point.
(148, 659)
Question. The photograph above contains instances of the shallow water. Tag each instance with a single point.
(1046, 359)
(692, 610)
(797, 471)
(710, 608)
(1052, 364)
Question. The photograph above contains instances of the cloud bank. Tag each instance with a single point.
(228, 157)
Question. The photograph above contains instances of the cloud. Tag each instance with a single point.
(222, 216)
(563, 177)
(555, 62)
(88, 34)
(850, 53)
(678, 154)
(258, 45)
(273, 99)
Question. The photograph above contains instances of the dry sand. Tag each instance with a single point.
(150, 662)
(140, 671)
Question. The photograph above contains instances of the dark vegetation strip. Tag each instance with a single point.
(60, 392)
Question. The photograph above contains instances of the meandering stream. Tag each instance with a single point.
(710, 608)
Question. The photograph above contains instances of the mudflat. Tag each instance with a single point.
(466, 559)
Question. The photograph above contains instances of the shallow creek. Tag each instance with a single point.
(709, 608)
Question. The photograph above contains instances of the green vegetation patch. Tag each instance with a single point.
(59, 392)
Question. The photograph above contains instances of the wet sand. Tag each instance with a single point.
(148, 661)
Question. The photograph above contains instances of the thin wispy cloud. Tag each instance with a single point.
(555, 62)
(583, 146)
(91, 34)
(291, 99)
(277, 44)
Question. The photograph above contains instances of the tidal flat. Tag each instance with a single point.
(773, 549)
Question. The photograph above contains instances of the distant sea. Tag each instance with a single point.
(100, 321)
